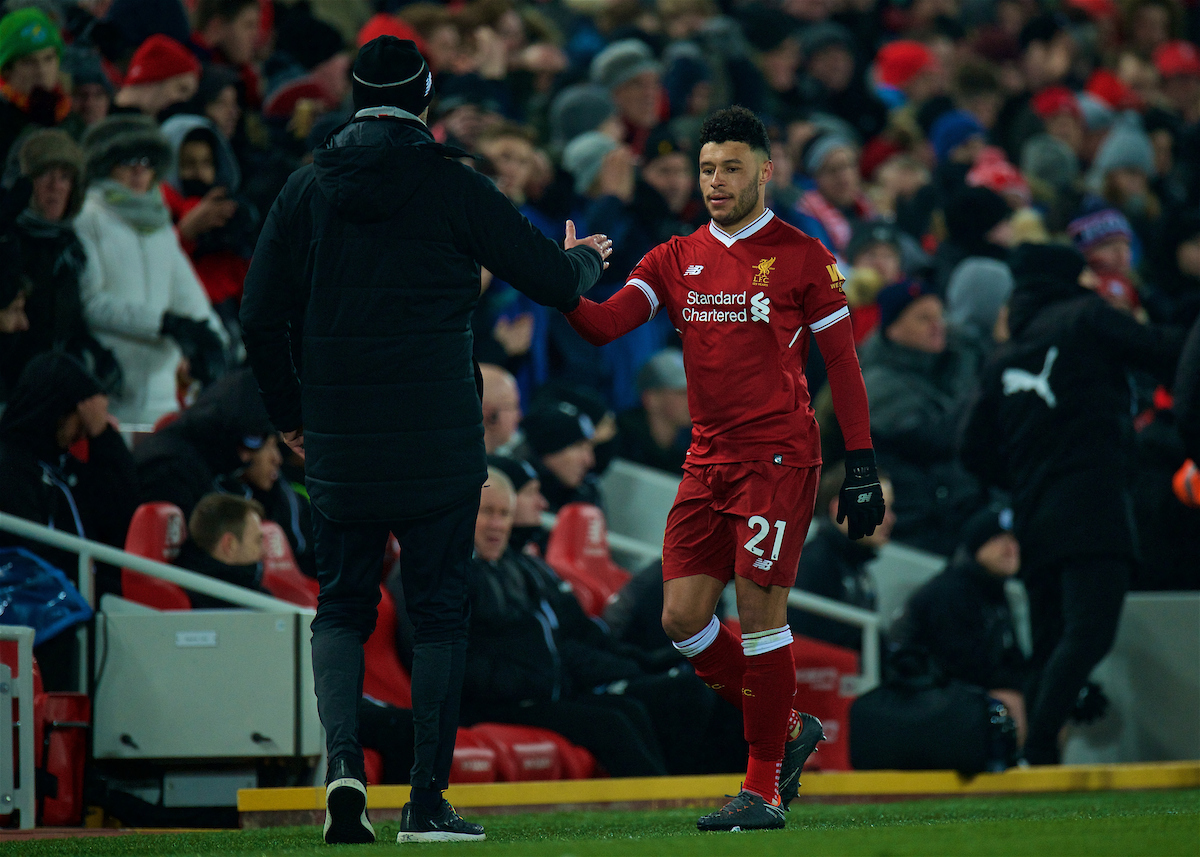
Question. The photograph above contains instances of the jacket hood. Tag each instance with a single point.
(49, 388)
(376, 163)
(224, 415)
(177, 128)
(1044, 274)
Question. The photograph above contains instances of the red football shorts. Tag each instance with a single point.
(748, 518)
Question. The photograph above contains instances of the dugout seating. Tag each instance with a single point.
(156, 532)
(61, 720)
(826, 683)
(281, 575)
(578, 552)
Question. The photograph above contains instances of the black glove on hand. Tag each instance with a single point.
(199, 345)
(861, 499)
(569, 306)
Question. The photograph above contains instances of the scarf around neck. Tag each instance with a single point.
(144, 212)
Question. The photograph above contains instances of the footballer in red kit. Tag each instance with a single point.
(746, 294)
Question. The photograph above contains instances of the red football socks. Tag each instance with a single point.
(769, 689)
(722, 665)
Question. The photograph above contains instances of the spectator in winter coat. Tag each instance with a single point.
(1052, 424)
(528, 536)
(561, 438)
(979, 221)
(835, 567)
(633, 78)
(217, 228)
(1173, 289)
(225, 442)
(140, 294)
(960, 623)
(535, 658)
(659, 432)
(49, 262)
(30, 92)
(918, 377)
(832, 209)
(161, 74)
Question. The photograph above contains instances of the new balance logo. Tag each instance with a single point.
(763, 564)
(862, 498)
(760, 308)
(1020, 381)
(693, 270)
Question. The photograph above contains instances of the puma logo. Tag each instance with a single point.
(1020, 381)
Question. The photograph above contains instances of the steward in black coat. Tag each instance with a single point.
(1053, 424)
(357, 323)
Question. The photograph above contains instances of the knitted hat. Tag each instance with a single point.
(391, 72)
(1054, 100)
(662, 141)
(1097, 114)
(519, 471)
(1113, 91)
(621, 61)
(1049, 160)
(123, 136)
(897, 63)
(553, 427)
(685, 70)
(896, 298)
(984, 526)
(953, 129)
(973, 212)
(583, 157)
(577, 110)
(825, 34)
(1177, 58)
(51, 147)
(24, 32)
(134, 21)
(1091, 229)
(1040, 263)
(83, 66)
(820, 148)
(993, 171)
(870, 233)
(160, 58)
(978, 287)
(383, 24)
(1126, 145)
(663, 371)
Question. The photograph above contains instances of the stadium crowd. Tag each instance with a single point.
(990, 174)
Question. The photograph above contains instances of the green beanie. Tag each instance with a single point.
(25, 31)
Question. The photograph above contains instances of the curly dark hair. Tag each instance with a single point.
(736, 125)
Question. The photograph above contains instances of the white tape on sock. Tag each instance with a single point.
(761, 642)
(694, 645)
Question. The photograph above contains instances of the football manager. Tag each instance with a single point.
(357, 323)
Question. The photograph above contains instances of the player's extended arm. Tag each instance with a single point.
(861, 497)
(600, 324)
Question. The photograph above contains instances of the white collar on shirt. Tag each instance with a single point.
(745, 232)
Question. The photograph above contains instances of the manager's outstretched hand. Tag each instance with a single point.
(861, 498)
(600, 243)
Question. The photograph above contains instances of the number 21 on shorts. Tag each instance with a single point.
(763, 526)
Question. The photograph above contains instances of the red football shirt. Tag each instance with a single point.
(744, 306)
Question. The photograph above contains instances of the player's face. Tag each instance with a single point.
(732, 179)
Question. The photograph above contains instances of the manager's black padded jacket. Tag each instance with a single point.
(369, 262)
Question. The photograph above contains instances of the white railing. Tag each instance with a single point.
(13, 797)
(89, 551)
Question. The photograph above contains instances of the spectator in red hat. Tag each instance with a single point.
(383, 24)
(1059, 110)
(226, 33)
(1178, 64)
(907, 72)
(162, 73)
(993, 171)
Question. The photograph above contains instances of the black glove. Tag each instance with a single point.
(569, 306)
(861, 498)
(202, 347)
(1091, 704)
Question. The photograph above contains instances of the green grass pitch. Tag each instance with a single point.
(1152, 823)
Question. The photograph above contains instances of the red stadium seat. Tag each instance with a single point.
(386, 678)
(474, 759)
(166, 419)
(281, 576)
(578, 552)
(522, 752)
(825, 678)
(156, 532)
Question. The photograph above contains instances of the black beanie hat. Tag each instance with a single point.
(391, 72)
(555, 426)
(983, 526)
(519, 471)
(1046, 263)
(972, 212)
